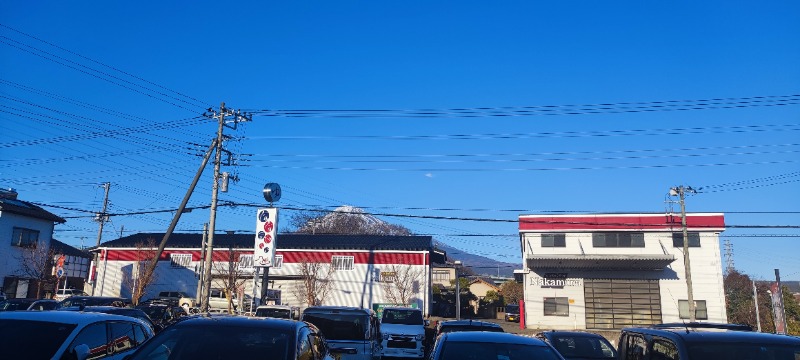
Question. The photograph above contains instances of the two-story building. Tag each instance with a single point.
(364, 265)
(26, 230)
(608, 271)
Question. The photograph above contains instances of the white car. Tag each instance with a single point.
(70, 335)
(403, 332)
(62, 294)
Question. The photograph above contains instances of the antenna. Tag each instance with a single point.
(729, 265)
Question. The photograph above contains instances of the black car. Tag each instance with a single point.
(512, 312)
(699, 341)
(78, 301)
(162, 315)
(16, 304)
(466, 325)
(130, 312)
(43, 304)
(235, 337)
(481, 345)
(575, 345)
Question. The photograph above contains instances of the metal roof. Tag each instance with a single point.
(283, 241)
(25, 208)
(600, 262)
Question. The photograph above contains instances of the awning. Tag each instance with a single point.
(600, 262)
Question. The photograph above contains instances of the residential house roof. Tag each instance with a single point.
(62, 248)
(25, 208)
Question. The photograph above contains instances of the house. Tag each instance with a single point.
(480, 286)
(608, 271)
(28, 230)
(364, 266)
(75, 266)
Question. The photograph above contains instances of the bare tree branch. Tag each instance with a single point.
(37, 263)
(315, 282)
(141, 275)
(233, 277)
(401, 283)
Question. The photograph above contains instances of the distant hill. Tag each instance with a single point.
(481, 265)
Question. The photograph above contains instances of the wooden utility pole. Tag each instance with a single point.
(101, 218)
(681, 191)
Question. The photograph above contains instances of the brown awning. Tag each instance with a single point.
(600, 262)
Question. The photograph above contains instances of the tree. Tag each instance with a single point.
(141, 275)
(315, 282)
(740, 305)
(512, 292)
(401, 283)
(232, 276)
(37, 263)
(792, 309)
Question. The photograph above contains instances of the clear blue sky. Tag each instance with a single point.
(96, 91)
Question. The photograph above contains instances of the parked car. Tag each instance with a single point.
(465, 325)
(574, 345)
(218, 301)
(481, 345)
(78, 301)
(162, 315)
(69, 335)
(124, 311)
(402, 333)
(177, 298)
(275, 311)
(236, 337)
(16, 304)
(512, 313)
(62, 294)
(43, 304)
(696, 341)
(352, 333)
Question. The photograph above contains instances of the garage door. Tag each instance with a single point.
(617, 303)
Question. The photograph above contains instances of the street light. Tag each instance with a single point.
(457, 264)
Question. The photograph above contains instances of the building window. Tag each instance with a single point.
(180, 260)
(246, 262)
(694, 239)
(24, 237)
(441, 276)
(554, 240)
(612, 239)
(556, 306)
(278, 262)
(700, 311)
(342, 262)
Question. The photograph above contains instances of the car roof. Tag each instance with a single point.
(570, 334)
(691, 335)
(65, 317)
(236, 320)
(400, 308)
(468, 323)
(328, 309)
(283, 307)
(491, 337)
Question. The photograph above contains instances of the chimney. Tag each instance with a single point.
(9, 193)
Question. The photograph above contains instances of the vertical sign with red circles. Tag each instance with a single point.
(266, 231)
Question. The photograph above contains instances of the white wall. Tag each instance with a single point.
(10, 255)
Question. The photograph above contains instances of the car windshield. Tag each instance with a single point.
(457, 350)
(583, 347)
(12, 305)
(217, 342)
(22, 339)
(512, 309)
(340, 326)
(742, 350)
(274, 313)
(403, 317)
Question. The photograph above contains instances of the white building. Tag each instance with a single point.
(364, 264)
(608, 271)
(23, 226)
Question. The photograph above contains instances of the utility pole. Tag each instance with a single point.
(101, 218)
(237, 117)
(729, 266)
(681, 191)
(755, 299)
(200, 281)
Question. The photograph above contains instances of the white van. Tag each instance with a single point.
(403, 332)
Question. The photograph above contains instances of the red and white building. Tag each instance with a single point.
(363, 264)
(608, 271)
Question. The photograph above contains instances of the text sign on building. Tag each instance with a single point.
(554, 280)
(266, 231)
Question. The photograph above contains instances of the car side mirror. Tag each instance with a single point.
(82, 352)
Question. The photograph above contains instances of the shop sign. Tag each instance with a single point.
(554, 280)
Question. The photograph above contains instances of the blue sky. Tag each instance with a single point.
(96, 91)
